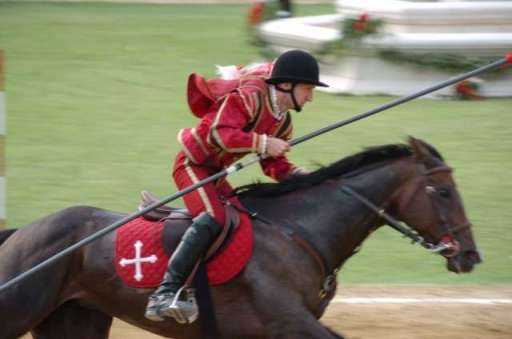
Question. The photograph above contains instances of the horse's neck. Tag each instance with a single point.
(338, 224)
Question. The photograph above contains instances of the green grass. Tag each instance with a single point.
(95, 97)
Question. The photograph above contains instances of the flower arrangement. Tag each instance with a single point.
(255, 14)
(261, 11)
(359, 27)
(468, 89)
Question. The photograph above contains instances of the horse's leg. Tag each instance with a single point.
(298, 323)
(282, 311)
(334, 334)
(72, 321)
(27, 303)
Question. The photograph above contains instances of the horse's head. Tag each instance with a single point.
(430, 203)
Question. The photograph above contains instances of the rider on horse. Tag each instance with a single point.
(250, 115)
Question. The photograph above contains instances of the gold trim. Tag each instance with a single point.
(286, 134)
(257, 100)
(255, 138)
(213, 127)
(200, 190)
(261, 113)
(199, 141)
(184, 148)
(246, 103)
(216, 136)
(268, 103)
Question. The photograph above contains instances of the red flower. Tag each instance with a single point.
(364, 17)
(256, 13)
(359, 26)
(467, 89)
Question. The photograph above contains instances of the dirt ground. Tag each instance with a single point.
(405, 321)
(422, 321)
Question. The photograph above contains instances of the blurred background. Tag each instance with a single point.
(95, 95)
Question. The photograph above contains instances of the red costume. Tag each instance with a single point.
(237, 116)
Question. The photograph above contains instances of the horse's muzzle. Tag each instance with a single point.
(464, 262)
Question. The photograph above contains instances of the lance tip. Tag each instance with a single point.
(508, 57)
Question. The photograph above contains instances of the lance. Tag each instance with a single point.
(242, 164)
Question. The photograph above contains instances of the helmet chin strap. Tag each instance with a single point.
(296, 106)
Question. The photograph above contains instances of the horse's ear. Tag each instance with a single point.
(420, 149)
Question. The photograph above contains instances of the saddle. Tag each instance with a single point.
(162, 212)
(144, 246)
(173, 235)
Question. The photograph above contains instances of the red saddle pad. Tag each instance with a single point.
(141, 260)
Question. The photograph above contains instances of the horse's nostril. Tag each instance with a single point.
(473, 256)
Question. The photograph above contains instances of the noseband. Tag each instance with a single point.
(447, 243)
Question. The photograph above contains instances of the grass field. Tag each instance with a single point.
(95, 97)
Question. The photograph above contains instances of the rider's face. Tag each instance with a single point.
(303, 94)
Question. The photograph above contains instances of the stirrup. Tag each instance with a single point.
(183, 311)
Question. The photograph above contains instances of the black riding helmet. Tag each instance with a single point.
(298, 67)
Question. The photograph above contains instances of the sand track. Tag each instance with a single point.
(400, 321)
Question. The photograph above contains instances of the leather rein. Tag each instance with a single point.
(407, 231)
(299, 236)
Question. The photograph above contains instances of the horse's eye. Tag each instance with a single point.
(444, 192)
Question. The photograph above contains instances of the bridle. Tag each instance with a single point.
(448, 246)
(434, 192)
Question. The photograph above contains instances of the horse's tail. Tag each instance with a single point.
(4, 234)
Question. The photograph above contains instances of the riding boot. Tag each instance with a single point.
(167, 299)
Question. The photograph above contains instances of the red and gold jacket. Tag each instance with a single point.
(237, 116)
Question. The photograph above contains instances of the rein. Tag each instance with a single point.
(300, 236)
(407, 230)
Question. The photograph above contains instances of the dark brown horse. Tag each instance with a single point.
(314, 228)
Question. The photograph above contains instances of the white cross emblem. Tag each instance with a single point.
(138, 260)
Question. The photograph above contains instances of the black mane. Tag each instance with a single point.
(341, 168)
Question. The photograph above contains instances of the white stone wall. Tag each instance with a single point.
(434, 17)
(465, 28)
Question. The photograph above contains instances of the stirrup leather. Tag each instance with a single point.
(183, 310)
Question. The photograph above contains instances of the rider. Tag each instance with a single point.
(251, 118)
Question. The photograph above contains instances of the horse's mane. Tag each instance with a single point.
(342, 168)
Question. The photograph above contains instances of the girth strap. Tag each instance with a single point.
(307, 247)
(299, 236)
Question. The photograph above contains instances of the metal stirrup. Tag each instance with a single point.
(184, 316)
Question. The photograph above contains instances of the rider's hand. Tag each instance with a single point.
(276, 147)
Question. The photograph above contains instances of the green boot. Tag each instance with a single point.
(167, 301)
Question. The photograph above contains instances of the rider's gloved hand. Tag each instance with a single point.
(276, 147)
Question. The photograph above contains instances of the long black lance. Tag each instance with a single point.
(240, 165)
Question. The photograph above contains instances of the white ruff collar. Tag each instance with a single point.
(273, 100)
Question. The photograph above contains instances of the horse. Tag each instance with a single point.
(308, 227)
